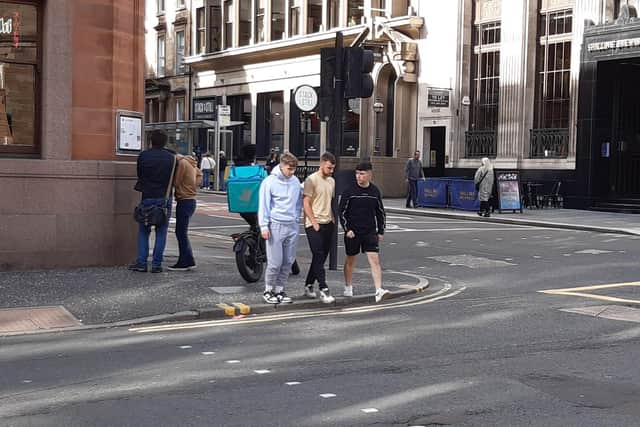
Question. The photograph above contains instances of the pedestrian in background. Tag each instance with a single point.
(320, 227)
(278, 213)
(207, 166)
(362, 218)
(484, 186)
(412, 173)
(222, 167)
(272, 161)
(155, 167)
(187, 179)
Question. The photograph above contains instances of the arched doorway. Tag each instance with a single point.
(385, 94)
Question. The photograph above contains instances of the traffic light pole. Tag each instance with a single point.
(335, 137)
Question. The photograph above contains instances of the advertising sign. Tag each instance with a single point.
(129, 132)
(437, 98)
(432, 192)
(306, 98)
(204, 108)
(224, 115)
(509, 191)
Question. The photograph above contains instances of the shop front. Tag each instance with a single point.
(608, 154)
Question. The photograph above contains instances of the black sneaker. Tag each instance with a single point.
(158, 269)
(181, 267)
(282, 297)
(137, 267)
(270, 298)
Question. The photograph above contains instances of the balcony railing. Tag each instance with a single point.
(549, 143)
(480, 143)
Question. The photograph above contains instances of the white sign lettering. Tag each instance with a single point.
(614, 44)
(306, 98)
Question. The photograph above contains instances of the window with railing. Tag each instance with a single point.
(480, 138)
(550, 137)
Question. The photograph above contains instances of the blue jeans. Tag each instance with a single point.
(161, 236)
(184, 211)
(223, 185)
(206, 173)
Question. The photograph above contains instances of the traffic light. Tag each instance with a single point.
(327, 75)
(358, 81)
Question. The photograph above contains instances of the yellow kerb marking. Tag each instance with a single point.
(244, 309)
(577, 292)
(228, 310)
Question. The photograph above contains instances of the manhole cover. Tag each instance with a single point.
(228, 289)
(35, 318)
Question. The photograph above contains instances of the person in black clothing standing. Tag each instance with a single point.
(363, 219)
(155, 167)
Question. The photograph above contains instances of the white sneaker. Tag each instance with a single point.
(309, 292)
(348, 291)
(326, 297)
(382, 294)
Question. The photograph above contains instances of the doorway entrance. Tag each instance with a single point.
(618, 113)
(433, 143)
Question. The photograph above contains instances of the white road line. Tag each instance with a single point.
(261, 371)
(184, 347)
(327, 395)
(208, 353)
(369, 410)
(231, 362)
(290, 383)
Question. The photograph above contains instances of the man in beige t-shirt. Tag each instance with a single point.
(319, 189)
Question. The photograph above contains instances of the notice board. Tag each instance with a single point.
(509, 191)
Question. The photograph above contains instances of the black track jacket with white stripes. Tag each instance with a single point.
(361, 210)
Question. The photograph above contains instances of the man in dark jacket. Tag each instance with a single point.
(413, 172)
(155, 167)
(362, 217)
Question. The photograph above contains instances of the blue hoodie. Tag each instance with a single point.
(280, 199)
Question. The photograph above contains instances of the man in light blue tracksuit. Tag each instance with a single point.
(278, 213)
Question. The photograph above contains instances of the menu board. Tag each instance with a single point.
(509, 191)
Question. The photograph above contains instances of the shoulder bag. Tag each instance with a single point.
(155, 215)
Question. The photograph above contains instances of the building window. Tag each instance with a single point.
(314, 19)
(553, 70)
(260, 24)
(270, 123)
(379, 8)
(201, 31)
(277, 19)
(240, 111)
(245, 22)
(294, 17)
(355, 12)
(161, 55)
(179, 4)
(179, 109)
(485, 77)
(228, 24)
(215, 22)
(160, 6)
(180, 67)
(333, 14)
(19, 78)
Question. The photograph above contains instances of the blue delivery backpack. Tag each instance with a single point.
(243, 188)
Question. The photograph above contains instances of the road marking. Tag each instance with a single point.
(471, 261)
(208, 353)
(231, 362)
(593, 252)
(184, 347)
(578, 292)
(327, 395)
(369, 410)
(444, 293)
(290, 383)
(261, 371)
(611, 312)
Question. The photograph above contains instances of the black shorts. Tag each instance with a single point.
(361, 243)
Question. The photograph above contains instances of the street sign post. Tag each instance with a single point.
(306, 99)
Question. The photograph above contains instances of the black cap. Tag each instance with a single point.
(364, 166)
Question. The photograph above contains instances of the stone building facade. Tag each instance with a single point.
(66, 68)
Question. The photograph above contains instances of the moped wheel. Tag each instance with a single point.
(249, 267)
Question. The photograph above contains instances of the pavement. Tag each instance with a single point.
(113, 296)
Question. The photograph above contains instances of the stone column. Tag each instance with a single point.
(588, 10)
(513, 56)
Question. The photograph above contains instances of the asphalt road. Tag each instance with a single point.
(483, 347)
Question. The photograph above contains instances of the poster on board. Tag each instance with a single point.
(509, 191)
(129, 132)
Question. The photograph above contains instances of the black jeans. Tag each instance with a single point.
(412, 194)
(320, 245)
(184, 211)
(485, 207)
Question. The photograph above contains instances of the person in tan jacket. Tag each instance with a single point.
(186, 182)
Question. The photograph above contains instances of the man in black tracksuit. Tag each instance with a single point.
(363, 219)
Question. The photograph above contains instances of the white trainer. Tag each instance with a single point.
(382, 294)
(309, 292)
(326, 297)
(348, 291)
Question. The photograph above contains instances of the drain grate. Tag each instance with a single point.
(27, 319)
